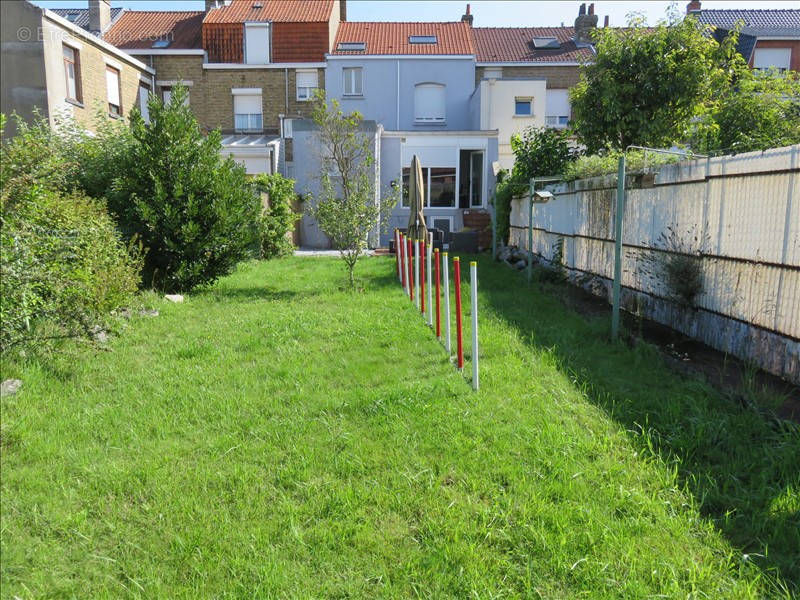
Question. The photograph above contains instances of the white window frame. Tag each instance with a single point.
(348, 77)
(144, 87)
(306, 93)
(76, 74)
(523, 100)
(111, 95)
(428, 206)
(430, 120)
(255, 60)
(252, 124)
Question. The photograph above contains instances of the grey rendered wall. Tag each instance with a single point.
(21, 62)
(380, 100)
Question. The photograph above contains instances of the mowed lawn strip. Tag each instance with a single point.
(279, 436)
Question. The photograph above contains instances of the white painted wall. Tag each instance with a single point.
(497, 106)
(745, 211)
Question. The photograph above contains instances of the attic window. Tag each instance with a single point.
(351, 46)
(546, 43)
(422, 39)
(161, 43)
(258, 5)
(72, 17)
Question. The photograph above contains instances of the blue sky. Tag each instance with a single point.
(493, 13)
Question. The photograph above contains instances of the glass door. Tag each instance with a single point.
(476, 179)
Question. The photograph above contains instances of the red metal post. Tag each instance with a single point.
(397, 252)
(422, 276)
(438, 318)
(459, 331)
(410, 252)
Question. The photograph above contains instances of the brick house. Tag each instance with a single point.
(52, 62)
(248, 65)
(523, 75)
(769, 38)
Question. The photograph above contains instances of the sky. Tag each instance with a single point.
(488, 13)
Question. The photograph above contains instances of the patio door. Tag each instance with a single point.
(470, 179)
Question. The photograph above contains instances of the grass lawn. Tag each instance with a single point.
(277, 436)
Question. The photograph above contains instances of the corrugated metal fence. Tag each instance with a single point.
(740, 214)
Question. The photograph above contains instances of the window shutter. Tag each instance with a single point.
(247, 104)
(257, 44)
(429, 102)
(772, 57)
(112, 83)
(307, 79)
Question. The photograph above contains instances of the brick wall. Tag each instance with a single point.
(210, 94)
(557, 77)
(92, 66)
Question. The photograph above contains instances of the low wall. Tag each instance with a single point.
(739, 214)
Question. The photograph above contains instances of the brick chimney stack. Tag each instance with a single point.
(584, 23)
(693, 6)
(211, 4)
(99, 15)
(343, 10)
(467, 17)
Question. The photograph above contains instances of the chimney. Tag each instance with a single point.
(99, 15)
(605, 21)
(212, 4)
(467, 17)
(584, 23)
(693, 6)
(343, 10)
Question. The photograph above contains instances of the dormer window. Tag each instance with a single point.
(351, 46)
(422, 39)
(546, 43)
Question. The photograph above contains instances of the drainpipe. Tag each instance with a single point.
(286, 82)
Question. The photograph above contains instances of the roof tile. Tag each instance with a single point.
(139, 29)
(392, 38)
(757, 22)
(284, 11)
(514, 44)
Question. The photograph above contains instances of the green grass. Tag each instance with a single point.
(278, 436)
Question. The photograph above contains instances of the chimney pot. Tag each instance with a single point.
(582, 9)
(605, 21)
(591, 8)
(467, 17)
(584, 23)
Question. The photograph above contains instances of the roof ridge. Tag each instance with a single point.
(403, 22)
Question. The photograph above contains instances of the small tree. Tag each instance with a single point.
(346, 210)
(541, 151)
(194, 211)
(277, 218)
(646, 85)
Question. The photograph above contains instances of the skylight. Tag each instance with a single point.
(422, 39)
(545, 43)
(73, 16)
(161, 43)
(352, 46)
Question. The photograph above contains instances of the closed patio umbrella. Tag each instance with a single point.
(416, 199)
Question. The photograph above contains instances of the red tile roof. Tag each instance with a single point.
(140, 28)
(392, 38)
(285, 11)
(514, 44)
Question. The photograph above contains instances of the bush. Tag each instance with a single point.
(636, 161)
(539, 152)
(63, 266)
(194, 211)
(277, 218)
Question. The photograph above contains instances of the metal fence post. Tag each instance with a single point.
(530, 229)
(618, 247)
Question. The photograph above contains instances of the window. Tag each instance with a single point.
(351, 46)
(166, 95)
(778, 58)
(144, 93)
(307, 82)
(422, 39)
(353, 81)
(161, 44)
(557, 108)
(429, 103)
(72, 74)
(523, 107)
(439, 185)
(113, 89)
(256, 43)
(247, 112)
(545, 43)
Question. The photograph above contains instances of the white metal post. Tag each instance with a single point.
(416, 272)
(473, 284)
(429, 252)
(446, 278)
(406, 262)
